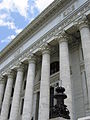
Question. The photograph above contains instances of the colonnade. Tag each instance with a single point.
(45, 79)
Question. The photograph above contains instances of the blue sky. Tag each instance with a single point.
(15, 15)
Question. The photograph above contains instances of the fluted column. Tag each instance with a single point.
(17, 91)
(45, 84)
(2, 85)
(28, 100)
(85, 40)
(65, 71)
(7, 97)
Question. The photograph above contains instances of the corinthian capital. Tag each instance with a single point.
(19, 66)
(31, 57)
(2, 79)
(45, 48)
(63, 37)
(10, 73)
(82, 22)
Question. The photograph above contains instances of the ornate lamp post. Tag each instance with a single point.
(60, 109)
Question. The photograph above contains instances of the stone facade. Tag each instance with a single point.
(53, 50)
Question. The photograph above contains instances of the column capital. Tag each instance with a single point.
(63, 37)
(82, 22)
(20, 66)
(2, 79)
(31, 58)
(10, 73)
(45, 48)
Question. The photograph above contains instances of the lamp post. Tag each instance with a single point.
(60, 109)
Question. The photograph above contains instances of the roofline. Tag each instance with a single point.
(32, 25)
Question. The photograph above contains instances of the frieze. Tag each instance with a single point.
(17, 53)
(69, 10)
(56, 31)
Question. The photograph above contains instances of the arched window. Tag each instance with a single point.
(54, 67)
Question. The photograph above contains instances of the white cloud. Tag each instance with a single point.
(11, 37)
(23, 8)
(7, 20)
(32, 9)
(18, 31)
(20, 6)
(10, 25)
(42, 4)
(3, 16)
(8, 39)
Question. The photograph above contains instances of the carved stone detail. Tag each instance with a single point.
(31, 57)
(45, 47)
(20, 67)
(10, 73)
(63, 37)
(2, 80)
(81, 22)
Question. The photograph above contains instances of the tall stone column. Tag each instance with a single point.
(28, 101)
(17, 91)
(45, 84)
(7, 97)
(65, 71)
(85, 40)
(2, 85)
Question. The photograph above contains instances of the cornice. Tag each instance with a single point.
(32, 27)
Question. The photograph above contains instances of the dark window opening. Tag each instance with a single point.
(22, 103)
(54, 67)
(37, 106)
(51, 101)
(24, 84)
(9, 111)
(12, 92)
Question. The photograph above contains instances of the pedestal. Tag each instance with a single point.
(85, 118)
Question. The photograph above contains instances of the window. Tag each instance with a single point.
(12, 92)
(37, 106)
(51, 96)
(54, 67)
(22, 103)
(51, 101)
(9, 111)
(24, 84)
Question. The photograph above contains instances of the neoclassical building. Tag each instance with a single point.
(53, 50)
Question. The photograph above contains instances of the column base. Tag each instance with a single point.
(59, 118)
(84, 118)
